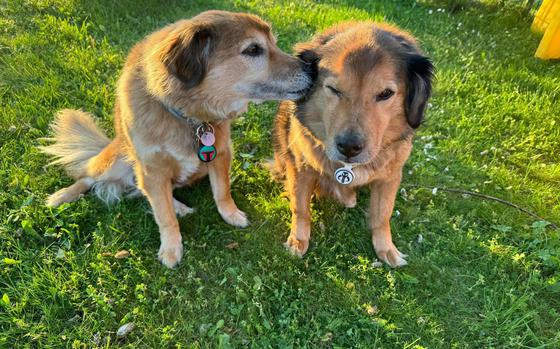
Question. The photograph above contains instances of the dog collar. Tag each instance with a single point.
(204, 133)
(176, 112)
(179, 115)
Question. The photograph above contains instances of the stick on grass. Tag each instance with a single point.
(491, 198)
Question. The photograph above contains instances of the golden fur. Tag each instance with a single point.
(372, 84)
(207, 68)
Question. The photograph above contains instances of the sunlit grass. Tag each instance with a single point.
(483, 275)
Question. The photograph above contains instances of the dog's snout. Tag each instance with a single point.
(350, 144)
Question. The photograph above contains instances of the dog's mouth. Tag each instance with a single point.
(354, 161)
(363, 158)
(278, 95)
(279, 91)
(297, 94)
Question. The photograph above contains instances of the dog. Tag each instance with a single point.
(354, 127)
(179, 89)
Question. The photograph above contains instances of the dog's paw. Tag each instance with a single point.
(236, 218)
(181, 209)
(350, 201)
(296, 247)
(171, 253)
(388, 253)
(62, 196)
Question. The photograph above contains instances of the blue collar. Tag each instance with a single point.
(178, 114)
(175, 112)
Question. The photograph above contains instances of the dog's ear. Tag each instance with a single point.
(188, 55)
(420, 73)
(308, 52)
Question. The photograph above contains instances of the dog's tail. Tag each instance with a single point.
(89, 157)
(77, 139)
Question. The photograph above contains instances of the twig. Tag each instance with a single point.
(489, 197)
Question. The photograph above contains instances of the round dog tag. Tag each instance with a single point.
(207, 153)
(207, 138)
(344, 175)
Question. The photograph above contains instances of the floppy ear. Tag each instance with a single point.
(309, 54)
(187, 57)
(420, 73)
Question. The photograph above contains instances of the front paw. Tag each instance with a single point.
(350, 201)
(296, 247)
(388, 253)
(181, 209)
(171, 252)
(236, 218)
(62, 196)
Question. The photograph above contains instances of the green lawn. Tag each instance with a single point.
(484, 275)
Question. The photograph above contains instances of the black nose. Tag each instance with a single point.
(350, 144)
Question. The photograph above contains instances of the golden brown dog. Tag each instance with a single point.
(372, 84)
(194, 73)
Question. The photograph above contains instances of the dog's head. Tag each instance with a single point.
(372, 85)
(225, 60)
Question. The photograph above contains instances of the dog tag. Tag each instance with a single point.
(207, 139)
(207, 153)
(344, 175)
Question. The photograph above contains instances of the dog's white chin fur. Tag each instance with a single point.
(334, 156)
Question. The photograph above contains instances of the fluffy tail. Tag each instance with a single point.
(89, 157)
(76, 139)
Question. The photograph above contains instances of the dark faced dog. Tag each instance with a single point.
(176, 96)
(355, 126)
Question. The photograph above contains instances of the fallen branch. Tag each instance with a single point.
(489, 197)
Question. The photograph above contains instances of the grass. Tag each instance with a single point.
(484, 275)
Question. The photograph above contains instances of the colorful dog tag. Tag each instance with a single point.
(207, 138)
(344, 175)
(207, 153)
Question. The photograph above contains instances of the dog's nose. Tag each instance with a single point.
(350, 144)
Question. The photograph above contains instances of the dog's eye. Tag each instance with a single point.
(253, 50)
(334, 90)
(384, 95)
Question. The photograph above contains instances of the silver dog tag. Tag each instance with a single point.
(344, 175)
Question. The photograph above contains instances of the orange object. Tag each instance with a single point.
(547, 20)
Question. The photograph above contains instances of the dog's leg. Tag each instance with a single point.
(181, 209)
(71, 193)
(381, 207)
(218, 171)
(300, 187)
(156, 184)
